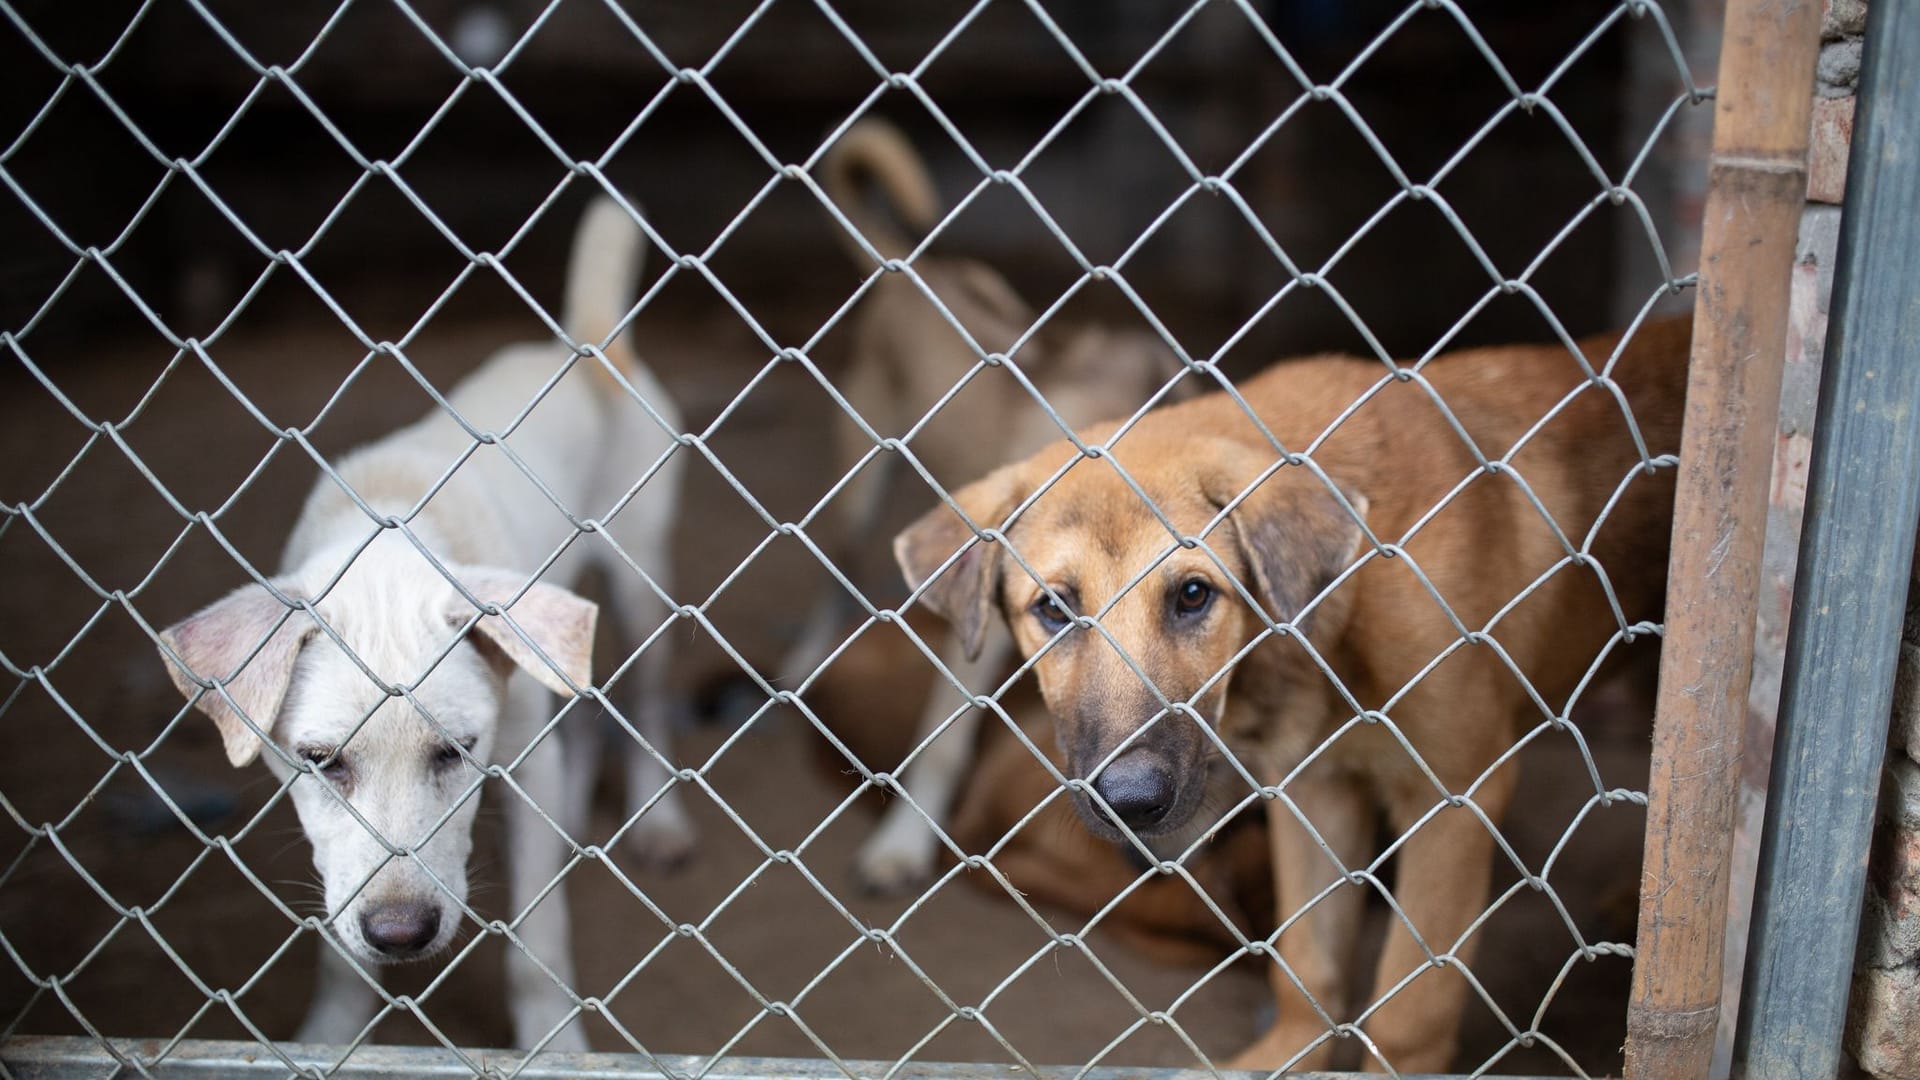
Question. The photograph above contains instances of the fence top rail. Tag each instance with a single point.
(50, 1057)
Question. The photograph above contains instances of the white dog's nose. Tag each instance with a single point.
(400, 929)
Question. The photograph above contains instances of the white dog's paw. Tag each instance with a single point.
(326, 1027)
(899, 856)
(343, 1003)
(664, 837)
(571, 1039)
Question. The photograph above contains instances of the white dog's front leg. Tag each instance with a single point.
(900, 853)
(583, 734)
(536, 854)
(665, 835)
(342, 1004)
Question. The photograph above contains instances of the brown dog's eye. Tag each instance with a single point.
(1050, 614)
(1192, 598)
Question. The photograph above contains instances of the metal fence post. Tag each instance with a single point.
(1863, 497)
(1756, 187)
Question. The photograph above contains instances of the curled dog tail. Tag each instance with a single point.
(875, 152)
(609, 249)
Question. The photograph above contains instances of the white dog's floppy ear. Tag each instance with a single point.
(557, 620)
(223, 643)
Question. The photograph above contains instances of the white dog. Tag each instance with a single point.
(390, 783)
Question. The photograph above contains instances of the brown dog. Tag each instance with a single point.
(1050, 859)
(868, 698)
(1367, 628)
(907, 357)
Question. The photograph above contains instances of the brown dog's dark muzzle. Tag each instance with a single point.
(1152, 786)
(1139, 788)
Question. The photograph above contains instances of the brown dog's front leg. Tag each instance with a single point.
(1440, 882)
(1318, 946)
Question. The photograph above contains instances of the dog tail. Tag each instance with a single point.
(875, 152)
(609, 249)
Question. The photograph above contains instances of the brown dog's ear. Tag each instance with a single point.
(557, 620)
(223, 643)
(1291, 529)
(964, 595)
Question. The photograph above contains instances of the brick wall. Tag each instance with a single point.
(1883, 1025)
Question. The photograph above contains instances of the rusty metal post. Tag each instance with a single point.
(1756, 191)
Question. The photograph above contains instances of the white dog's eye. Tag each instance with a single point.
(325, 759)
(449, 755)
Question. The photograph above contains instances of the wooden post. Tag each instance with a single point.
(1756, 190)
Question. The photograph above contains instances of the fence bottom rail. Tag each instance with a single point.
(56, 1057)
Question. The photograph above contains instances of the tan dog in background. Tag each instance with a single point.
(1340, 555)
(906, 357)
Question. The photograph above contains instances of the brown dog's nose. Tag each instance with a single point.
(1138, 787)
(400, 929)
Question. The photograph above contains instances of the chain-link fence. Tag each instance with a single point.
(1279, 709)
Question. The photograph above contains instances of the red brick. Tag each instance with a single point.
(1842, 18)
(1880, 1031)
(1906, 702)
(1831, 134)
(1886, 976)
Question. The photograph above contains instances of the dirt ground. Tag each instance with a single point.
(198, 921)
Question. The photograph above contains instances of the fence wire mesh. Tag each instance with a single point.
(618, 525)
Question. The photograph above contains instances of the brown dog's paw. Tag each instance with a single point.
(1276, 1048)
